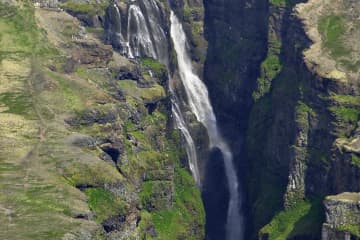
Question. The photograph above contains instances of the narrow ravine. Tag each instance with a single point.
(198, 100)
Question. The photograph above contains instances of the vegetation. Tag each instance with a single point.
(152, 94)
(155, 66)
(179, 222)
(104, 203)
(355, 159)
(302, 112)
(304, 219)
(346, 114)
(332, 29)
(353, 229)
(90, 9)
(270, 67)
(278, 3)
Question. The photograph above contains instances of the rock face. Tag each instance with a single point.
(97, 154)
(298, 114)
(342, 217)
(138, 29)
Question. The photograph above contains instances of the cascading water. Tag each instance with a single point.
(138, 33)
(190, 145)
(157, 33)
(200, 105)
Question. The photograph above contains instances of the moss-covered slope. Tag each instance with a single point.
(86, 150)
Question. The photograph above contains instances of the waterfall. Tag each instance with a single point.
(190, 145)
(198, 100)
(139, 34)
(157, 32)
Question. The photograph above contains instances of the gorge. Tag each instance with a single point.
(179, 119)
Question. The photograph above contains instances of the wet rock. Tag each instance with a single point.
(342, 217)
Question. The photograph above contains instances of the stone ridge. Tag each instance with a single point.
(342, 216)
(332, 25)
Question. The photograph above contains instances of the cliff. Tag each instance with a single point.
(90, 140)
(296, 102)
(342, 217)
(88, 147)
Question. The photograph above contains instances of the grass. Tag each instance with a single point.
(302, 112)
(353, 229)
(278, 3)
(90, 9)
(17, 103)
(270, 68)
(187, 213)
(155, 195)
(68, 88)
(346, 114)
(304, 219)
(355, 159)
(155, 66)
(347, 99)
(332, 29)
(151, 94)
(104, 204)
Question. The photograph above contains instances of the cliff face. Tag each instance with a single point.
(342, 217)
(301, 132)
(88, 150)
(88, 140)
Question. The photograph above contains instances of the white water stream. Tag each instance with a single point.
(198, 100)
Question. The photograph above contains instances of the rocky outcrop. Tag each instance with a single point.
(300, 114)
(138, 29)
(342, 217)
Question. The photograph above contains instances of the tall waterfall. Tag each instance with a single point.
(198, 100)
(138, 33)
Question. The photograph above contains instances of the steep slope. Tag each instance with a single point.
(87, 143)
(297, 109)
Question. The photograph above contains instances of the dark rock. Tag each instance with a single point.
(114, 223)
(91, 116)
(69, 66)
(126, 73)
(84, 141)
(92, 53)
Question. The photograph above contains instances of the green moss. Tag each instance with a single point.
(187, 214)
(151, 94)
(278, 3)
(155, 66)
(302, 112)
(353, 229)
(92, 8)
(346, 114)
(304, 219)
(332, 28)
(104, 203)
(156, 195)
(355, 159)
(17, 103)
(270, 68)
(347, 99)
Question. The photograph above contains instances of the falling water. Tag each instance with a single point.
(138, 33)
(190, 145)
(198, 100)
(159, 38)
